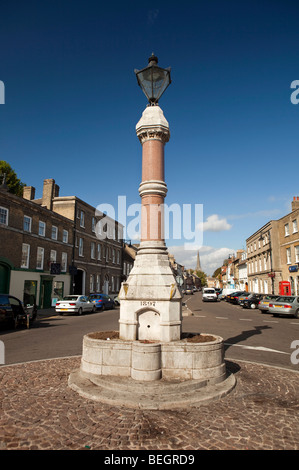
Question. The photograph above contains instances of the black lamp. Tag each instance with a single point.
(153, 80)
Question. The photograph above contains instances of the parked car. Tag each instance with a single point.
(15, 313)
(285, 305)
(218, 291)
(230, 295)
(244, 297)
(116, 299)
(209, 294)
(74, 304)
(265, 301)
(252, 301)
(102, 301)
(227, 291)
(189, 291)
(234, 298)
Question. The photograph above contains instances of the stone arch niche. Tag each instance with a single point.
(148, 324)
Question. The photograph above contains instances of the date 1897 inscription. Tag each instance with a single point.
(148, 303)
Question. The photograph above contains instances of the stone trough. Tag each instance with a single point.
(152, 374)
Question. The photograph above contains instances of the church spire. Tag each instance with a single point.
(198, 267)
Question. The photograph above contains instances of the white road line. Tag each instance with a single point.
(245, 319)
(258, 348)
(222, 318)
(270, 321)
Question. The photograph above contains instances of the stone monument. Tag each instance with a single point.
(148, 363)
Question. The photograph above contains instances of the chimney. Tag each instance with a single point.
(49, 191)
(29, 193)
(295, 203)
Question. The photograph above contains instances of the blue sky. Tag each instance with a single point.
(72, 103)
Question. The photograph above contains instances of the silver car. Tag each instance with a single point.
(285, 305)
(265, 301)
(74, 304)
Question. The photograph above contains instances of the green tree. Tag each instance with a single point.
(13, 183)
(202, 276)
(217, 272)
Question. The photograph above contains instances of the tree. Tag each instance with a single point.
(217, 272)
(202, 276)
(8, 175)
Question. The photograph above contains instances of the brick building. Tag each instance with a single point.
(35, 250)
(273, 255)
(289, 249)
(60, 244)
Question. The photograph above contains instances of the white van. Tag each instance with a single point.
(209, 294)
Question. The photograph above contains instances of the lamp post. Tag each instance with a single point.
(153, 80)
(150, 302)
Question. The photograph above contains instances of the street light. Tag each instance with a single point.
(153, 80)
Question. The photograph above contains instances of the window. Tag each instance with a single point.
(3, 216)
(30, 290)
(41, 228)
(98, 283)
(80, 246)
(286, 230)
(112, 283)
(288, 255)
(118, 260)
(82, 219)
(99, 251)
(40, 258)
(25, 255)
(91, 283)
(113, 255)
(265, 263)
(65, 236)
(255, 266)
(54, 232)
(295, 227)
(93, 250)
(260, 264)
(297, 253)
(254, 246)
(27, 223)
(53, 256)
(93, 224)
(63, 262)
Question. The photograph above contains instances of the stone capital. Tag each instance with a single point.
(153, 125)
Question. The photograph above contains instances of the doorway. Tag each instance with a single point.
(4, 278)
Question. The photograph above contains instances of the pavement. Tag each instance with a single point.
(39, 411)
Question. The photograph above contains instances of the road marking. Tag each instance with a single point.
(258, 348)
(245, 319)
(270, 321)
(222, 318)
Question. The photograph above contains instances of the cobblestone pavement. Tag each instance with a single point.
(39, 411)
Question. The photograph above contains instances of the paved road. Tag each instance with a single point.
(248, 334)
(39, 410)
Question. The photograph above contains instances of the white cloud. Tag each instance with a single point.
(210, 258)
(214, 224)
